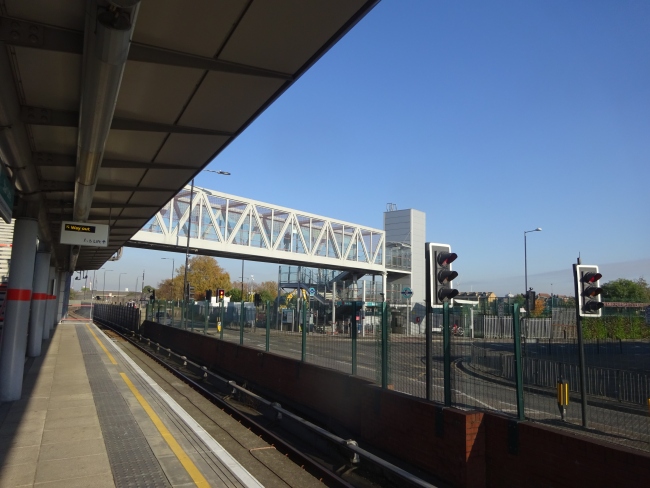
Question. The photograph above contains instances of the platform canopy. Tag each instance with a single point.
(107, 109)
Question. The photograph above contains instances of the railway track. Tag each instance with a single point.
(335, 461)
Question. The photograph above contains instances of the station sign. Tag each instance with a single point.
(84, 234)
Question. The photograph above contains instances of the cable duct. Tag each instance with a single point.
(108, 32)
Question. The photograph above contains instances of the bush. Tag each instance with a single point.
(615, 327)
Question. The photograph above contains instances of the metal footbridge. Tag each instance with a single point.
(229, 226)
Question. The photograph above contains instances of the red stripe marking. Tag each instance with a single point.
(19, 295)
(40, 296)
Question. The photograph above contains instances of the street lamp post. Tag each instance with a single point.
(526, 257)
(189, 230)
(118, 286)
(104, 291)
(172, 284)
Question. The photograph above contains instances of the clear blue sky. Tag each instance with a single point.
(491, 117)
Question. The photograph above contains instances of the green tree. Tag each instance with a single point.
(268, 290)
(623, 290)
(234, 294)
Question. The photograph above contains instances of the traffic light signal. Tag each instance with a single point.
(531, 297)
(588, 285)
(208, 295)
(440, 275)
(221, 293)
(258, 299)
(189, 292)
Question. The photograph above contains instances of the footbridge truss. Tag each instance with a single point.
(229, 226)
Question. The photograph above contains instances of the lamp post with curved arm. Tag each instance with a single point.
(539, 229)
(119, 278)
(189, 233)
(104, 290)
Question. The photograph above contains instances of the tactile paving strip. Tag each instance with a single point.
(132, 461)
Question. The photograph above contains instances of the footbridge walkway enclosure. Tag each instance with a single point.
(230, 226)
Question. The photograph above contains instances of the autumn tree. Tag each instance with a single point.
(204, 273)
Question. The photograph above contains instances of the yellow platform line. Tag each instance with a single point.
(110, 356)
(187, 463)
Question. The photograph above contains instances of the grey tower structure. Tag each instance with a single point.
(406, 231)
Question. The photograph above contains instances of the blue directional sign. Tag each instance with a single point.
(407, 292)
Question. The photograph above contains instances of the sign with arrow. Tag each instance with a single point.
(84, 234)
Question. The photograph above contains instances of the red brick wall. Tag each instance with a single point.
(473, 449)
(549, 457)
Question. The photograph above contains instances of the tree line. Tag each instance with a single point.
(204, 273)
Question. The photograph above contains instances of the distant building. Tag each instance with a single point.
(6, 240)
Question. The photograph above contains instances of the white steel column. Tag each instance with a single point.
(50, 306)
(363, 309)
(333, 307)
(60, 286)
(39, 302)
(66, 292)
(19, 295)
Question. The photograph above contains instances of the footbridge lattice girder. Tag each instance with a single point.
(232, 226)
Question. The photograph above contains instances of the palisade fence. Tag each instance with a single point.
(387, 343)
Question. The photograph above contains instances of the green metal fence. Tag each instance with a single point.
(491, 355)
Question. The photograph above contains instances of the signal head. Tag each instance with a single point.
(446, 258)
(448, 293)
(588, 292)
(592, 291)
(591, 277)
(593, 306)
(446, 276)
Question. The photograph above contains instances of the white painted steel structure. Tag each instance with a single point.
(236, 227)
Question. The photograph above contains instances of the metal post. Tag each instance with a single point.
(222, 312)
(519, 376)
(333, 306)
(525, 267)
(37, 329)
(187, 246)
(363, 308)
(581, 350)
(241, 322)
(207, 316)
(353, 334)
(428, 334)
(278, 322)
(18, 300)
(303, 346)
(446, 346)
(268, 326)
(384, 345)
(50, 313)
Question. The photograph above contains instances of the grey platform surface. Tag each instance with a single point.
(79, 424)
